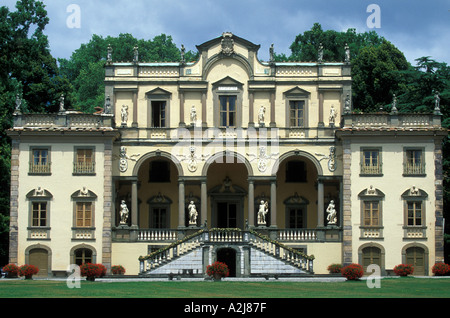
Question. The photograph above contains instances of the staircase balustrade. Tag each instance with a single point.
(230, 236)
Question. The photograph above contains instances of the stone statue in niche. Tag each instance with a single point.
(192, 213)
(124, 115)
(124, 212)
(332, 214)
(261, 114)
(262, 212)
(107, 109)
(332, 116)
(193, 114)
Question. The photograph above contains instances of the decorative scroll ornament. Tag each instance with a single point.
(331, 158)
(192, 159)
(227, 44)
(263, 158)
(123, 159)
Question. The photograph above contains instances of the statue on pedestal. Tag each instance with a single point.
(263, 210)
(124, 212)
(192, 213)
(332, 214)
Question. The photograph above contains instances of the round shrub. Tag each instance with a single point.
(118, 270)
(92, 270)
(11, 270)
(28, 270)
(441, 269)
(352, 271)
(403, 270)
(334, 268)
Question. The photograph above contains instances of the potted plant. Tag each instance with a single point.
(28, 271)
(217, 270)
(11, 270)
(352, 271)
(441, 269)
(403, 270)
(118, 270)
(334, 268)
(92, 271)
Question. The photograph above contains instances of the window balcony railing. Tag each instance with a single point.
(371, 169)
(84, 167)
(413, 169)
(40, 168)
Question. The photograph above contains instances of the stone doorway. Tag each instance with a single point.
(228, 256)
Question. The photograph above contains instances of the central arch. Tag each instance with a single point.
(226, 175)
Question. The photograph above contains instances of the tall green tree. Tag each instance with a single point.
(85, 68)
(27, 69)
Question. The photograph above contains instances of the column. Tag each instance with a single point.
(251, 106)
(204, 203)
(204, 123)
(272, 110)
(321, 123)
(273, 203)
(320, 206)
(251, 203)
(134, 203)
(135, 110)
(182, 122)
(181, 207)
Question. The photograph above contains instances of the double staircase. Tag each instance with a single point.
(258, 255)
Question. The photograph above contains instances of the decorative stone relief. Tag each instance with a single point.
(331, 158)
(227, 44)
(192, 159)
(124, 115)
(263, 158)
(123, 159)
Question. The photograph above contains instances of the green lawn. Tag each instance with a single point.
(408, 287)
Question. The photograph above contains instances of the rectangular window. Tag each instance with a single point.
(227, 111)
(371, 213)
(84, 161)
(39, 214)
(414, 162)
(84, 214)
(296, 113)
(414, 213)
(371, 161)
(296, 218)
(158, 218)
(158, 114)
(40, 162)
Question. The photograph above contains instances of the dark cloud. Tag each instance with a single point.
(417, 28)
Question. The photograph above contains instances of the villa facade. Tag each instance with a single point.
(262, 165)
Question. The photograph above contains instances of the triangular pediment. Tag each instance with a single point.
(227, 81)
(297, 91)
(158, 91)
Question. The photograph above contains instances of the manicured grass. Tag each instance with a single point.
(408, 287)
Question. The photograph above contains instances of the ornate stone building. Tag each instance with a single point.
(262, 165)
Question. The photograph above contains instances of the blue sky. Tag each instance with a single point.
(418, 28)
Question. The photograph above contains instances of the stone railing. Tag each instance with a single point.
(218, 236)
(63, 120)
(157, 235)
(390, 120)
